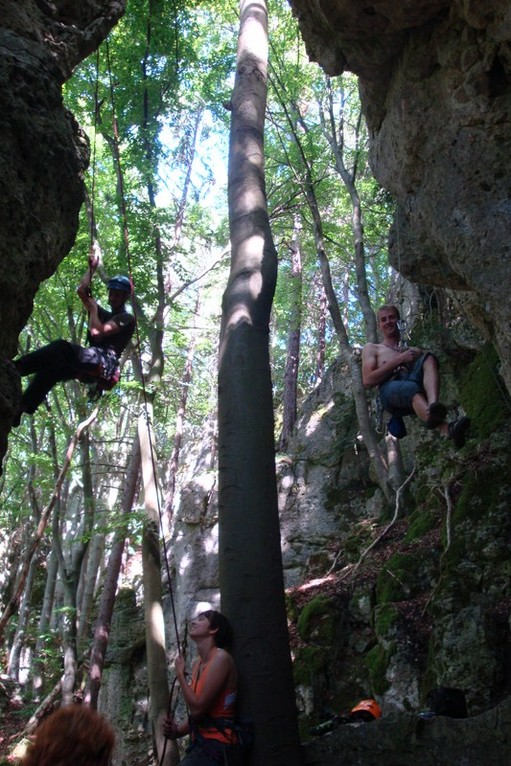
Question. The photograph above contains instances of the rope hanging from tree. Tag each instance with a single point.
(94, 248)
(402, 324)
(123, 206)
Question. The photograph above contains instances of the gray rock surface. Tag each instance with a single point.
(402, 739)
(124, 697)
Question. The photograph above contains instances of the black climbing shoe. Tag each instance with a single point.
(437, 413)
(458, 431)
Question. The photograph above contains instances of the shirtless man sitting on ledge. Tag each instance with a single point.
(408, 379)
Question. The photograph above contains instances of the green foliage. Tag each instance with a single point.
(49, 659)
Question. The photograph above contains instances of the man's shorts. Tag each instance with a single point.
(397, 393)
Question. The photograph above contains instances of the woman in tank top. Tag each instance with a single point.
(210, 696)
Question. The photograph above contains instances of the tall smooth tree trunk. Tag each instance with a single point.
(52, 572)
(44, 624)
(87, 589)
(107, 602)
(153, 612)
(173, 463)
(251, 576)
(72, 571)
(293, 340)
(335, 137)
(18, 643)
(321, 334)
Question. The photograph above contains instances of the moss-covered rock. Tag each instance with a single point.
(399, 578)
(483, 393)
(482, 490)
(377, 662)
(309, 662)
(421, 521)
(317, 621)
(386, 616)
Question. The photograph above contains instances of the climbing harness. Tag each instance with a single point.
(104, 377)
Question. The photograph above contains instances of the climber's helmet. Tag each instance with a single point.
(366, 710)
(120, 282)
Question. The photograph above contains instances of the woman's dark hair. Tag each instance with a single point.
(217, 621)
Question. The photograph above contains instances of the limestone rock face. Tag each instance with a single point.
(123, 697)
(435, 82)
(44, 154)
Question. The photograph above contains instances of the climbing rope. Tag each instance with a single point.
(92, 221)
(120, 175)
(402, 324)
(122, 196)
(94, 248)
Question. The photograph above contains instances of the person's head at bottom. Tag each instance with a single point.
(75, 735)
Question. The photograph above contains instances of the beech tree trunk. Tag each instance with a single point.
(87, 588)
(173, 463)
(321, 334)
(153, 612)
(335, 136)
(18, 642)
(293, 340)
(251, 577)
(71, 563)
(44, 623)
(106, 606)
